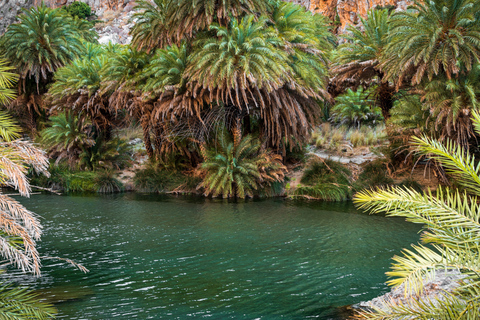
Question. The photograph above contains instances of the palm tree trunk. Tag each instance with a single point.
(385, 98)
(146, 138)
(237, 131)
(157, 132)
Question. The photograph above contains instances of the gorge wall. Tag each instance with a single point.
(342, 12)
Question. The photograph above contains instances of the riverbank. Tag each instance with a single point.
(364, 168)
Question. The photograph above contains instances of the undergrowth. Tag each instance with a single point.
(64, 179)
(325, 180)
(157, 180)
(330, 137)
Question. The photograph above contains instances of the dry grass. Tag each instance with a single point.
(333, 138)
(130, 133)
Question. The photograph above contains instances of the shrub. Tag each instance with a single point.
(105, 182)
(79, 9)
(374, 174)
(325, 180)
(156, 180)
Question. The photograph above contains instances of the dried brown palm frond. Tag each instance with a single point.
(27, 107)
(92, 107)
(20, 227)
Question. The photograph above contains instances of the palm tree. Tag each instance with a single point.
(451, 219)
(246, 66)
(238, 168)
(151, 29)
(442, 107)
(66, 137)
(42, 41)
(77, 87)
(432, 38)
(355, 108)
(451, 102)
(167, 22)
(358, 61)
(123, 75)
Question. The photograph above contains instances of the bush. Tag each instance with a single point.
(374, 174)
(325, 180)
(105, 182)
(79, 9)
(355, 108)
(63, 178)
(156, 180)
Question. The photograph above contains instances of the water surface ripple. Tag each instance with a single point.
(154, 257)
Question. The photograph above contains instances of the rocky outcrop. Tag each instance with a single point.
(348, 12)
(341, 12)
(434, 287)
(9, 9)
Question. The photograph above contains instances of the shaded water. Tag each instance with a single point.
(157, 257)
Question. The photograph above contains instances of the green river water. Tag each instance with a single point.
(159, 257)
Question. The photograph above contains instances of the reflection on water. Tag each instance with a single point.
(157, 257)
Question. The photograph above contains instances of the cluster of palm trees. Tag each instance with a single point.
(428, 54)
(256, 67)
(231, 85)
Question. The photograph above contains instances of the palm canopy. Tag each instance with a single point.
(163, 22)
(452, 227)
(167, 69)
(306, 39)
(77, 87)
(243, 55)
(359, 57)
(245, 66)
(432, 38)
(42, 41)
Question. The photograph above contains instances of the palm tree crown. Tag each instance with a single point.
(433, 38)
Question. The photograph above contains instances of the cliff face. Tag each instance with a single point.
(348, 12)
(343, 12)
(9, 9)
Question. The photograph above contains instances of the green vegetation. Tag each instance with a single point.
(79, 9)
(451, 223)
(66, 179)
(240, 168)
(225, 93)
(325, 180)
(340, 138)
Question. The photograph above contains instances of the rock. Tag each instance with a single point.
(135, 141)
(433, 287)
(109, 38)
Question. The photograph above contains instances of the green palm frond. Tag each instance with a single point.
(451, 222)
(20, 304)
(42, 41)
(457, 161)
(432, 38)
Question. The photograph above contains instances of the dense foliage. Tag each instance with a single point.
(225, 93)
(451, 228)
